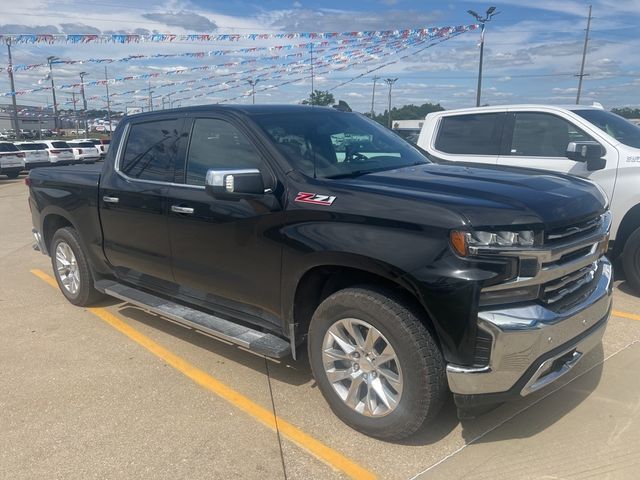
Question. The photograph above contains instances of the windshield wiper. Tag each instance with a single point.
(358, 173)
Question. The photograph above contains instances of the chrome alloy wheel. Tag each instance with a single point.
(362, 367)
(67, 268)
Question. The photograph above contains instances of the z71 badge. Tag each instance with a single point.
(316, 198)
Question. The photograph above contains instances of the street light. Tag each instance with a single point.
(56, 121)
(373, 94)
(84, 102)
(491, 12)
(390, 82)
(253, 84)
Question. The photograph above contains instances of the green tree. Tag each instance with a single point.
(322, 98)
(627, 112)
(408, 112)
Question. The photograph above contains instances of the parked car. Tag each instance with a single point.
(60, 153)
(263, 226)
(587, 142)
(101, 144)
(36, 154)
(11, 160)
(84, 151)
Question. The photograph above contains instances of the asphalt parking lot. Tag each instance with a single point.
(114, 392)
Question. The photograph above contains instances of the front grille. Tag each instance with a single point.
(566, 291)
(568, 232)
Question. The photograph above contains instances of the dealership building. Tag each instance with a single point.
(29, 117)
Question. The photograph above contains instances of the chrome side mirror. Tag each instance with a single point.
(234, 182)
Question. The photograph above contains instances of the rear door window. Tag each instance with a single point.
(152, 149)
(543, 135)
(8, 147)
(32, 146)
(471, 134)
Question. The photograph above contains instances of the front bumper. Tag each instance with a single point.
(532, 346)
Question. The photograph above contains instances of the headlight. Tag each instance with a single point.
(461, 241)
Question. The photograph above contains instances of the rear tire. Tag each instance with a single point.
(71, 268)
(631, 260)
(413, 383)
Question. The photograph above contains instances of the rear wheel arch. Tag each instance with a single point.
(50, 225)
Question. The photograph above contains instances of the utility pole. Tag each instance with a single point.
(75, 112)
(584, 57)
(84, 103)
(108, 101)
(253, 84)
(491, 12)
(373, 94)
(390, 82)
(16, 125)
(150, 97)
(56, 121)
(311, 98)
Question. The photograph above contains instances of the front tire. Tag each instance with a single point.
(631, 260)
(71, 268)
(376, 363)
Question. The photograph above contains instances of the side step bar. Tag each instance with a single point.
(258, 342)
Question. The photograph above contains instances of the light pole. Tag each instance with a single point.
(106, 84)
(373, 94)
(16, 122)
(253, 84)
(491, 12)
(84, 103)
(390, 82)
(56, 122)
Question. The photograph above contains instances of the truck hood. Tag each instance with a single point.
(491, 196)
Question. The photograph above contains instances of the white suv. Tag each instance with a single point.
(36, 154)
(11, 160)
(588, 142)
(60, 153)
(84, 151)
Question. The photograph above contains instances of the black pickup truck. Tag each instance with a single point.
(275, 226)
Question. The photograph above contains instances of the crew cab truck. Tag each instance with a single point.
(585, 141)
(270, 226)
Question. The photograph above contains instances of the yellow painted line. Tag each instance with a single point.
(319, 450)
(630, 316)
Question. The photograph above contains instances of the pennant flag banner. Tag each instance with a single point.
(212, 53)
(334, 64)
(205, 37)
(343, 51)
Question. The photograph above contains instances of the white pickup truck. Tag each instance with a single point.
(588, 142)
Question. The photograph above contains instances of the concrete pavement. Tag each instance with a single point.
(78, 399)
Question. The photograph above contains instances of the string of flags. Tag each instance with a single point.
(334, 52)
(210, 53)
(341, 50)
(35, 38)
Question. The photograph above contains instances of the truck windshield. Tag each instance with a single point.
(619, 128)
(326, 144)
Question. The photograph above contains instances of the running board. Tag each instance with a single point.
(265, 344)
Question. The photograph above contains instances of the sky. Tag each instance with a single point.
(533, 50)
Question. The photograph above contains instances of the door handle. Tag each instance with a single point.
(108, 199)
(179, 209)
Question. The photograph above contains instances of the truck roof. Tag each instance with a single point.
(245, 109)
(493, 108)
